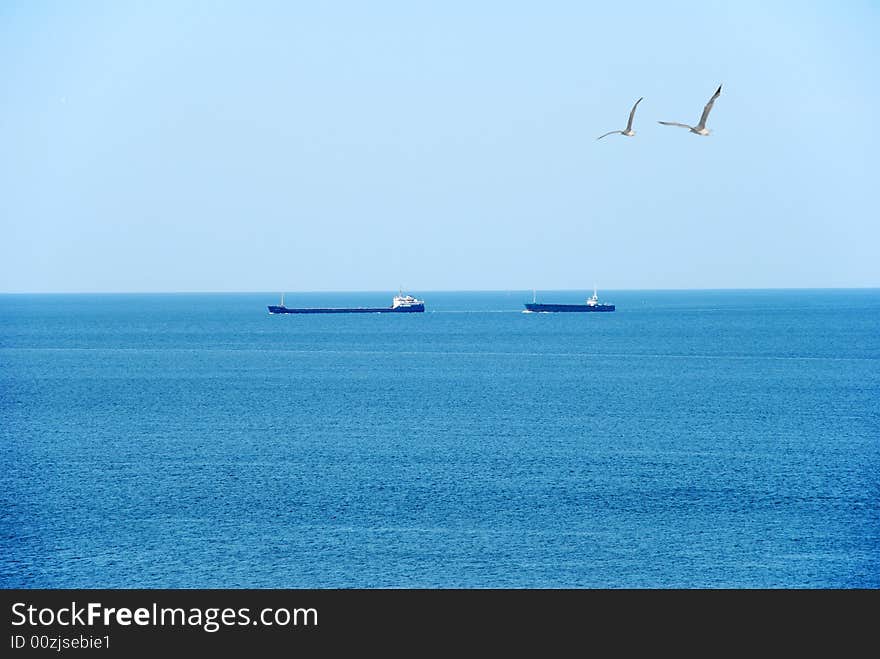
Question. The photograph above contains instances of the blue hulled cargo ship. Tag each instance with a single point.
(400, 304)
(592, 304)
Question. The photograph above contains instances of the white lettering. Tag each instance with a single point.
(22, 616)
(76, 614)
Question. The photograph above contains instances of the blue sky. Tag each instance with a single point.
(264, 146)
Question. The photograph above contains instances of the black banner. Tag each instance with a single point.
(125, 622)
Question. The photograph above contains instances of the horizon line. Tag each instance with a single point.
(436, 290)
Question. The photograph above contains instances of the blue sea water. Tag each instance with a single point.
(691, 439)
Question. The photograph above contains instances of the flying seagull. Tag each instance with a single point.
(629, 132)
(700, 128)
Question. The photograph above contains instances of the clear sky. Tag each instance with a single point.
(450, 145)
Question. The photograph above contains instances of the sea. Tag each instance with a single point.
(690, 439)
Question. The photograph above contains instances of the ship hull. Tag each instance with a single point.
(574, 308)
(416, 308)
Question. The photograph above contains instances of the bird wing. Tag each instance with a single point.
(708, 108)
(632, 113)
(609, 133)
(672, 123)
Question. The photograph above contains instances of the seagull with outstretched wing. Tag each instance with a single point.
(700, 128)
(629, 132)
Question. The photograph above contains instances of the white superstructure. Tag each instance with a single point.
(402, 300)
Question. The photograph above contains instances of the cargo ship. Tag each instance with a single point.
(592, 304)
(399, 304)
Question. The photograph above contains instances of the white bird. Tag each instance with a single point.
(629, 132)
(700, 128)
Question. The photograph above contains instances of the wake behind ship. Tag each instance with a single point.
(592, 304)
(399, 304)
